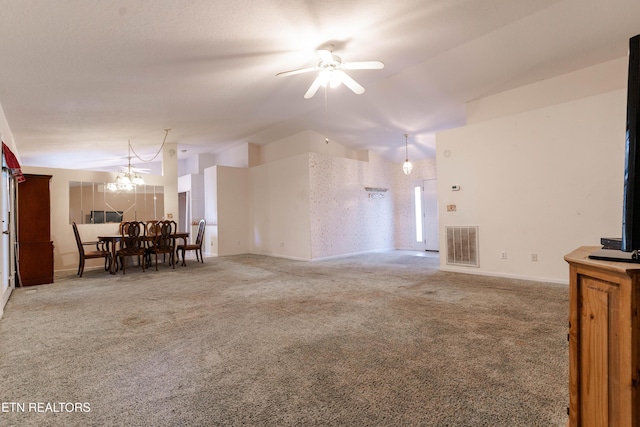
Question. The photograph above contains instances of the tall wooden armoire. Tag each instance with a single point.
(35, 248)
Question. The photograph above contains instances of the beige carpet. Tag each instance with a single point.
(382, 339)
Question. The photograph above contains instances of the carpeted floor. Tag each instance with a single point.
(382, 339)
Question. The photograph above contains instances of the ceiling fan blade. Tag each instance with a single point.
(352, 84)
(314, 87)
(299, 71)
(325, 55)
(365, 65)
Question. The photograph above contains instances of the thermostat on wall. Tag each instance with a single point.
(455, 188)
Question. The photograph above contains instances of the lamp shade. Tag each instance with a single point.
(407, 167)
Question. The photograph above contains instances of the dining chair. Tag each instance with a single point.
(99, 252)
(132, 243)
(162, 242)
(152, 228)
(197, 246)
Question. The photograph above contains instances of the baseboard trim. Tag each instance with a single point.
(372, 251)
(293, 258)
(506, 275)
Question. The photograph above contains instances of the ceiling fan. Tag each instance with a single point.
(332, 71)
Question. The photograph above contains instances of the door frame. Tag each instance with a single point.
(7, 246)
(428, 204)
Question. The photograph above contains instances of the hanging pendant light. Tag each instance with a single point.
(406, 166)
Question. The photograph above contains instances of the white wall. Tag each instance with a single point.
(184, 183)
(196, 164)
(543, 181)
(595, 80)
(233, 210)
(237, 156)
(279, 204)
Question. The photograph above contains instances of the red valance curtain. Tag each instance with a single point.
(12, 163)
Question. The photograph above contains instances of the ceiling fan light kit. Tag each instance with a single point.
(331, 71)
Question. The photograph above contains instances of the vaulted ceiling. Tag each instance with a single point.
(79, 78)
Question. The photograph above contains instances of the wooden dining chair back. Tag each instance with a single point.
(123, 227)
(132, 243)
(99, 252)
(197, 246)
(163, 242)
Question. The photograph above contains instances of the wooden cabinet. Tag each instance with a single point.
(35, 248)
(604, 341)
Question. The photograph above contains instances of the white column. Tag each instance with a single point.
(170, 178)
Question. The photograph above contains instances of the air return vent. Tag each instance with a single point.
(462, 246)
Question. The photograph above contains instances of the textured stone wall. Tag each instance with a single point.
(344, 218)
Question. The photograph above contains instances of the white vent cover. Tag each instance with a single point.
(462, 246)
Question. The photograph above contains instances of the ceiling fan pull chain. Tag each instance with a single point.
(326, 115)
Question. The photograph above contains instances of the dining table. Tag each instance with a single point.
(111, 241)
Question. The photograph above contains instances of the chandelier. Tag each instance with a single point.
(126, 180)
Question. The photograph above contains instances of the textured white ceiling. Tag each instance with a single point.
(78, 78)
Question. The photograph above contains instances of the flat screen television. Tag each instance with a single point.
(631, 198)
(627, 247)
(101, 217)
